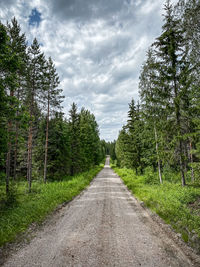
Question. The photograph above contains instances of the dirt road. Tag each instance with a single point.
(105, 226)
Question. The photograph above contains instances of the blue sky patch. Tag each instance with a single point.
(34, 18)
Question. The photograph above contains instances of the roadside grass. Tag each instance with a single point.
(25, 208)
(176, 205)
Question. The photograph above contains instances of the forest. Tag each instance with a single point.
(157, 153)
(36, 141)
(46, 158)
(162, 130)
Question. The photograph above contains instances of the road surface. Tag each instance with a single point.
(104, 226)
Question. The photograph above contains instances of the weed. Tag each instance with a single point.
(170, 201)
(34, 207)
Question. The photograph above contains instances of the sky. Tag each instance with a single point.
(98, 47)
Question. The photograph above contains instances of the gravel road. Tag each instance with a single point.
(104, 226)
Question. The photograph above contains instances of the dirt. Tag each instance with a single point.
(104, 226)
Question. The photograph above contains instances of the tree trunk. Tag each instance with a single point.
(191, 161)
(158, 157)
(8, 156)
(182, 163)
(16, 141)
(29, 161)
(46, 144)
(15, 153)
(178, 121)
(8, 161)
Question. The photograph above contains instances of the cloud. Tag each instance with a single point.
(98, 48)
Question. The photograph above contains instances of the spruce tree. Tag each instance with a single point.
(151, 97)
(74, 126)
(171, 58)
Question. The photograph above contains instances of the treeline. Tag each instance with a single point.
(35, 139)
(162, 130)
(109, 148)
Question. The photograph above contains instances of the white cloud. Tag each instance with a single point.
(98, 49)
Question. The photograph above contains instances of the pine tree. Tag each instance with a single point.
(18, 47)
(52, 101)
(35, 86)
(9, 65)
(5, 59)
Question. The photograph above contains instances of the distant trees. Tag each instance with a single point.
(168, 119)
(35, 139)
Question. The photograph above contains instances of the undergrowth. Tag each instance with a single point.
(170, 201)
(24, 208)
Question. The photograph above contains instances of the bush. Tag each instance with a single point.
(42, 200)
(150, 177)
(172, 202)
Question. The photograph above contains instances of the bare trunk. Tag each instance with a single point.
(8, 156)
(8, 165)
(30, 140)
(178, 121)
(46, 144)
(15, 153)
(191, 161)
(29, 160)
(182, 165)
(158, 157)
(16, 141)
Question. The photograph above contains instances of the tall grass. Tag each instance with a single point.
(34, 207)
(170, 201)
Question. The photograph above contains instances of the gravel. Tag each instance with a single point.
(104, 226)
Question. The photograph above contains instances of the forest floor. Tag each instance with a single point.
(104, 226)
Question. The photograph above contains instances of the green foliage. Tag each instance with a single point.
(150, 177)
(163, 132)
(129, 147)
(34, 207)
(35, 139)
(170, 201)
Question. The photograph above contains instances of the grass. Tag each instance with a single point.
(34, 207)
(176, 205)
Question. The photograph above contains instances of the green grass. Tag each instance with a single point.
(172, 202)
(34, 207)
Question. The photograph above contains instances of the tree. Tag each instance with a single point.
(5, 59)
(35, 86)
(172, 67)
(18, 47)
(74, 126)
(134, 147)
(9, 66)
(151, 97)
(90, 142)
(53, 97)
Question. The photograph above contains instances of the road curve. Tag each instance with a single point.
(104, 226)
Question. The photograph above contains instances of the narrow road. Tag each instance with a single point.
(104, 226)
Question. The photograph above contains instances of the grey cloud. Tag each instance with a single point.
(6, 3)
(104, 51)
(87, 9)
(98, 47)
